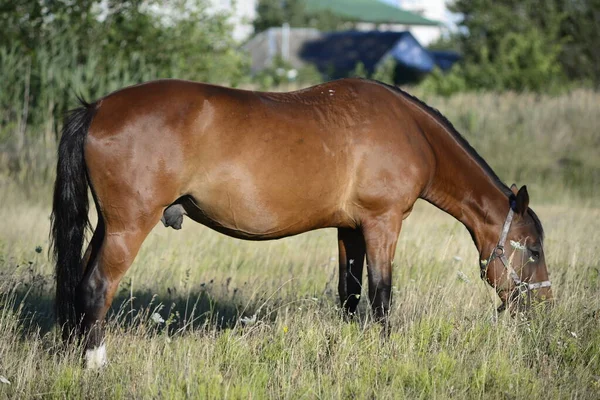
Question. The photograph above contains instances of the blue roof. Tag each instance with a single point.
(410, 53)
(336, 54)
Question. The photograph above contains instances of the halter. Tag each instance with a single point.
(498, 252)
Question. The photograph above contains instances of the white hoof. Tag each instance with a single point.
(96, 358)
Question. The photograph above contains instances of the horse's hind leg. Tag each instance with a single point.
(351, 244)
(381, 236)
(121, 242)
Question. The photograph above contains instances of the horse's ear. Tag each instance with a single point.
(521, 201)
(514, 188)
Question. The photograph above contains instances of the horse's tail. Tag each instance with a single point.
(70, 213)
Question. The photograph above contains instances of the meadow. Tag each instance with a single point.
(201, 315)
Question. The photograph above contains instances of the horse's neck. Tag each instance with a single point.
(460, 184)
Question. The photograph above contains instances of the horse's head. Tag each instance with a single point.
(516, 266)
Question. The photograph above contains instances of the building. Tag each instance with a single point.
(336, 54)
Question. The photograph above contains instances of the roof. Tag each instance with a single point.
(336, 53)
(369, 11)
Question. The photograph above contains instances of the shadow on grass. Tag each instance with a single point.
(200, 307)
(213, 305)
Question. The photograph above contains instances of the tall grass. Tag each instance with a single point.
(244, 319)
(552, 142)
(37, 90)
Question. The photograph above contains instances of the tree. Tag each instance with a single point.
(580, 57)
(273, 13)
(529, 44)
(52, 50)
(513, 44)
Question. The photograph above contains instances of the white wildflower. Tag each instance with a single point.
(248, 320)
(157, 318)
(463, 277)
(517, 245)
(4, 380)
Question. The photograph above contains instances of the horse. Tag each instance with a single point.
(351, 154)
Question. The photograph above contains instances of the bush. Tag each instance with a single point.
(509, 45)
(444, 84)
(386, 71)
(61, 49)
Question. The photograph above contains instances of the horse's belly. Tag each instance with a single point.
(268, 209)
(247, 219)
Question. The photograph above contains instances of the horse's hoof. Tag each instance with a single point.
(96, 358)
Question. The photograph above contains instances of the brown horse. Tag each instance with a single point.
(351, 154)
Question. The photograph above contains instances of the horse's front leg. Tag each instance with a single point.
(381, 236)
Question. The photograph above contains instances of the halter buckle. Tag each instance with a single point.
(499, 251)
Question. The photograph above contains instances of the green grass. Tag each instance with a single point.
(444, 342)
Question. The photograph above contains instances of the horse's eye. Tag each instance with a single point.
(535, 254)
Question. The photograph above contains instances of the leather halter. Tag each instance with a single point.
(498, 252)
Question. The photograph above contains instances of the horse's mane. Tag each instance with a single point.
(438, 116)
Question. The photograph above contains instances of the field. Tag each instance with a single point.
(201, 315)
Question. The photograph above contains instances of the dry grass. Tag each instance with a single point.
(443, 343)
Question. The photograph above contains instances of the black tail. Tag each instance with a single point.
(70, 213)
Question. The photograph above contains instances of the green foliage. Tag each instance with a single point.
(63, 48)
(273, 13)
(385, 71)
(580, 57)
(523, 45)
(309, 75)
(528, 61)
(523, 62)
(282, 72)
(360, 71)
(444, 84)
(446, 42)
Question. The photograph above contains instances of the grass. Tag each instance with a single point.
(445, 341)
(443, 344)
